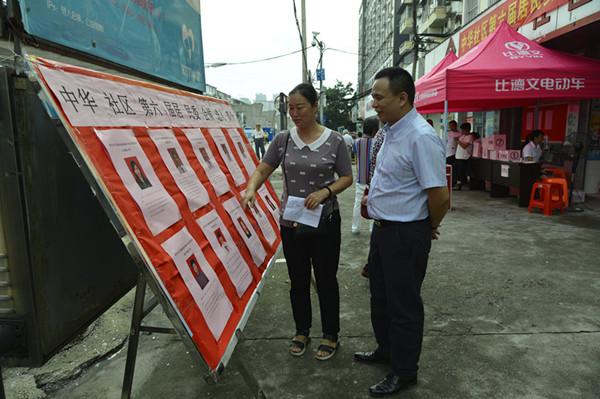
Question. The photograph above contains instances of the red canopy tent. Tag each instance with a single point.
(443, 64)
(508, 70)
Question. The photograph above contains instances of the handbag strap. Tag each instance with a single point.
(287, 190)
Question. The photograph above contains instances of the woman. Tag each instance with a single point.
(532, 152)
(464, 149)
(311, 154)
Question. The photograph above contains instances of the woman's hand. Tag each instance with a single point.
(248, 198)
(315, 198)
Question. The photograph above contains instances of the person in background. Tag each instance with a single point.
(451, 143)
(349, 142)
(532, 152)
(408, 198)
(259, 141)
(362, 149)
(464, 149)
(311, 156)
(376, 146)
(430, 121)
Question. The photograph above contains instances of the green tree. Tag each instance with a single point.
(337, 111)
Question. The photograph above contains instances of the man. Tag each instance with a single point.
(453, 135)
(408, 199)
(349, 142)
(259, 141)
(362, 149)
(464, 149)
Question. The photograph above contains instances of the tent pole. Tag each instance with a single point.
(445, 119)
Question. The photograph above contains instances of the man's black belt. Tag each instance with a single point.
(383, 223)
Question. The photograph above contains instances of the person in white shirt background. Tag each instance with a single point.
(532, 152)
(259, 141)
(453, 135)
(464, 149)
(349, 142)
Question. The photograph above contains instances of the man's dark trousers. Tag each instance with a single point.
(397, 264)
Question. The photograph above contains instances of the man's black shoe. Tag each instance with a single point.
(390, 385)
(370, 357)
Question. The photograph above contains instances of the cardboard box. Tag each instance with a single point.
(493, 155)
(485, 154)
(502, 155)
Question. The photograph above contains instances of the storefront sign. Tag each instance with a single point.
(515, 12)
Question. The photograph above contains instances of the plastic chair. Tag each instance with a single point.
(547, 197)
(556, 172)
(565, 186)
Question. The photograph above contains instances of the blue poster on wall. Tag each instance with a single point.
(159, 37)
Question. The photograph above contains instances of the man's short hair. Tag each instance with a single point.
(453, 122)
(466, 126)
(400, 81)
(370, 126)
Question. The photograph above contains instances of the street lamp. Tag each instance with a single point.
(320, 72)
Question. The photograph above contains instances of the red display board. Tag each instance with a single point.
(173, 165)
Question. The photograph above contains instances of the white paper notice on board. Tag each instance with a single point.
(263, 222)
(504, 170)
(159, 209)
(207, 160)
(227, 252)
(271, 204)
(242, 150)
(223, 147)
(245, 229)
(180, 168)
(201, 280)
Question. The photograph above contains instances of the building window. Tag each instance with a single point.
(471, 9)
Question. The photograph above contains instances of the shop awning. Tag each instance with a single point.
(508, 70)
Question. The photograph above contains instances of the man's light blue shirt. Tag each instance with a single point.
(411, 160)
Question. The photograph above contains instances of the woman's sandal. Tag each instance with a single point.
(298, 345)
(326, 349)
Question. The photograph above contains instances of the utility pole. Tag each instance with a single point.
(320, 73)
(304, 62)
(415, 34)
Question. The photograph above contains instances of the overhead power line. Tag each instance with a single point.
(219, 64)
(341, 51)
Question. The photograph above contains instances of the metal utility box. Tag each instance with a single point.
(62, 263)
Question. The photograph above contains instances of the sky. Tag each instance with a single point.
(242, 30)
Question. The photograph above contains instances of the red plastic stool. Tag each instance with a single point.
(549, 197)
(565, 186)
(556, 172)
